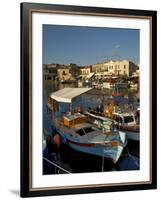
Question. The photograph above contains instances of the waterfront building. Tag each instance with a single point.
(85, 70)
(137, 72)
(86, 73)
(114, 68)
(49, 71)
(64, 74)
(74, 70)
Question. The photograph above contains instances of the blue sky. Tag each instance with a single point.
(88, 45)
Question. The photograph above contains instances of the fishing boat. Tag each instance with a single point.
(127, 122)
(124, 121)
(79, 133)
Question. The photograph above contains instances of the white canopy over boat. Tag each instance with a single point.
(67, 94)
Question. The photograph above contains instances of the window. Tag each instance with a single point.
(64, 73)
(80, 132)
(124, 66)
(118, 119)
(88, 130)
(84, 131)
(128, 119)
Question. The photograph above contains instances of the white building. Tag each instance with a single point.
(116, 68)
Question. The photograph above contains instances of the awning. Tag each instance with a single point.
(90, 75)
(67, 94)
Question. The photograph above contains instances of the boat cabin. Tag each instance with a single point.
(107, 125)
(124, 118)
(67, 100)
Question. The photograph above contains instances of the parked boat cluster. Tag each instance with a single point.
(92, 127)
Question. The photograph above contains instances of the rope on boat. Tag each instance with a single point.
(55, 165)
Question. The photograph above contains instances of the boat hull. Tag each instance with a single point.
(132, 132)
(133, 135)
(110, 147)
(111, 153)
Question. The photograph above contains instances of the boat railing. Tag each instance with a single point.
(96, 112)
(56, 165)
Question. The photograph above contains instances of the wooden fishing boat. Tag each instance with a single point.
(124, 121)
(77, 132)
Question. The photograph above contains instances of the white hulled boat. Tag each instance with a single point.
(77, 132)
(124, 121)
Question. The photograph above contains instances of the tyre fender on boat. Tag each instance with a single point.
(57, 139)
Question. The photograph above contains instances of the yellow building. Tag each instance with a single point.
(97, 68)
(85, 70)
(64, 74)
(116, 68)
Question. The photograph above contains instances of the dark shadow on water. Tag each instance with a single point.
(15, 192)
